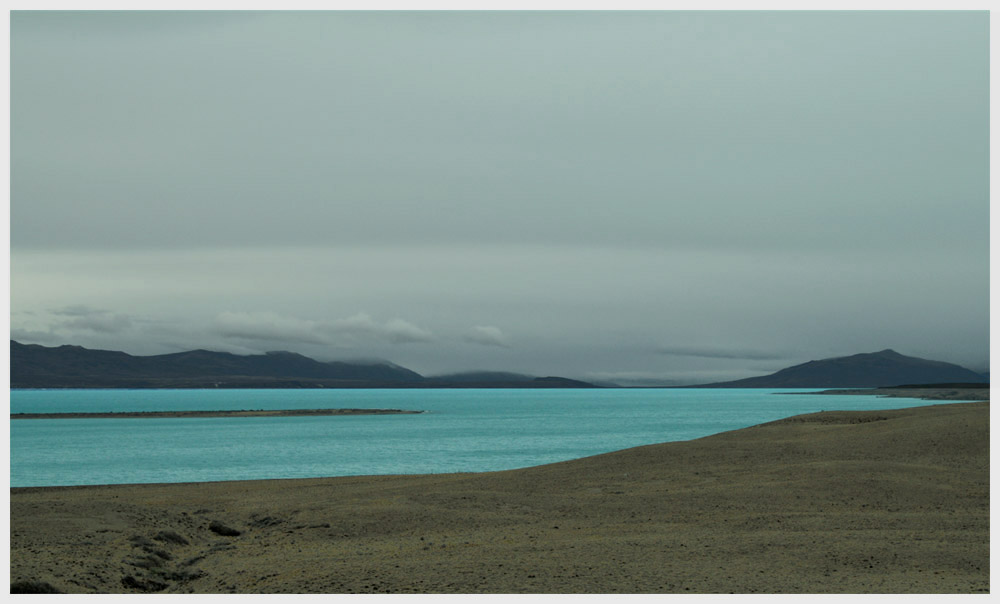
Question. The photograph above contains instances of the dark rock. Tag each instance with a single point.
(33, 587)
(146, 562)
(140, 541)
(266, 521)
(170, 537)
(221, 529)
(158, 552)
(131, 582)
(183, 575)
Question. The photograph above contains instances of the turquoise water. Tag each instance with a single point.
(461, 431)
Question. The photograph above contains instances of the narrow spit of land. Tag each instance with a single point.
(943, 392)
(219, 413)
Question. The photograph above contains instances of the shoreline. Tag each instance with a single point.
(927, 393)
(833, 502)
(216, 413)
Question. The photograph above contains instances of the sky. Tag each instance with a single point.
(643, 197)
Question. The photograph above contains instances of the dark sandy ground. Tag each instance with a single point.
(835, 502)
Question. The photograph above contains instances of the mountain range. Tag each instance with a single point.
(35, 366)
(866, 370)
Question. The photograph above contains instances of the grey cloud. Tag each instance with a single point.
(609, 128)
(267, 326)
(82, 317)
(402, 332)
(395, 330)
(487, 335)
(76, 310)
(722, 353)
(575, 310)
(274, 327)
(101, 323)
(34, 336)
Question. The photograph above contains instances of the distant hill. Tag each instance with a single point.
(481, 377)
(867, 370)
(35, 366)
(499, 379)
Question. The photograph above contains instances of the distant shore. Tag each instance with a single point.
(927, 393)
(885, 501)
(219, 413)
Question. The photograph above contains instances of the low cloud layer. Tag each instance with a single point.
(269, 326)
(704, 352)
(397, 331)
(569, 310)
(76, 318)
(487, 335)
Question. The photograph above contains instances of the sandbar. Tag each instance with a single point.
(217, 413)
(893, 501)
(959, 393)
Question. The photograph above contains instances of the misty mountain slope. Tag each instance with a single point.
(470, 377)
(866, 370)
(277, 363)
(35, 366)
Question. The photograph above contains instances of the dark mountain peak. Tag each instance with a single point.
(888, 353)
(198, 352)
(865, 370)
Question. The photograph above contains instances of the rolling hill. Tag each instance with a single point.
(866, 370)
(35, 366)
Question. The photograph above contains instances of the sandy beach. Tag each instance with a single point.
(834, 502)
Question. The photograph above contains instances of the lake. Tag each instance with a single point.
(462, 430)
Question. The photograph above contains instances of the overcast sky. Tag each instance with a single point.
(683, 196)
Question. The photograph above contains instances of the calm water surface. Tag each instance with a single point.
(461, 431)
